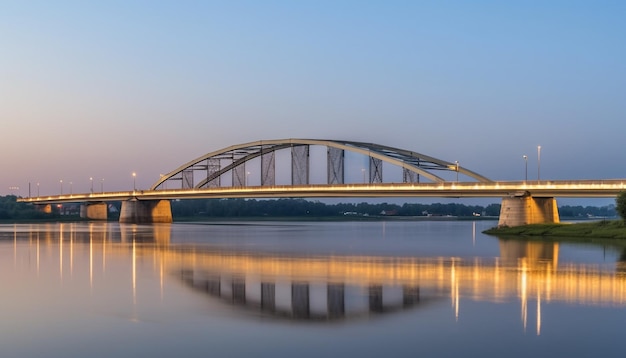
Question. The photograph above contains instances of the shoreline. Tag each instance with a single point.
(613, 230)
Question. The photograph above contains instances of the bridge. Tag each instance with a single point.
(225, 174)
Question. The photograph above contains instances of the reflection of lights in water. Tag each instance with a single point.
(473, 233)
(134, 317)
(161, 277)
(14, 245)
(456, 300)
(538, 312)
(90, 257)
(30, 242)
(134, 273)
(454, 290)
(524, 293)
(526, 272)
(104, 250)
(61, 251)
(452, 274)
(71, 252)
(37, 253)
(524, 297)
(548, 284)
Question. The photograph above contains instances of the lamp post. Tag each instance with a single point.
(134, 181)
(102, 185)
(363, 171)
(71, 191)
(37, 189)
(525, 167)
(91, 180)
(247, 174)
(61, 182)
(456, 162)
(538, 162)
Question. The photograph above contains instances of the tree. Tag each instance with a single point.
(620, 205)
(493, 209)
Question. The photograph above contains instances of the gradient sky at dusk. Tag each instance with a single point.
(104, 89)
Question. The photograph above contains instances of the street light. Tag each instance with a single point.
(71, 191)
(525, 167)
(538, 162)
(456, 162)
(247, 173)
(134, 181)
(363, 171)
(37, 189)
(91, 180)
(61, 182)
(102, 185)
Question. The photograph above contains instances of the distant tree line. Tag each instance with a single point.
(302, 207)
(620, 205)
(10, 209)
(607, 211)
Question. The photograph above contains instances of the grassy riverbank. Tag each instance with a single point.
(605, 229)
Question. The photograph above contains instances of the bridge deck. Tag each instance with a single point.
(561, 188)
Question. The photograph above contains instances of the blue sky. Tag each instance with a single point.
(104, 89)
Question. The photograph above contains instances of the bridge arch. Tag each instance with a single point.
(413, 164)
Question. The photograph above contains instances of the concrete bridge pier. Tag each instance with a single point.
(44, 208)
(146, 211)
(526, 209)
(94, 211)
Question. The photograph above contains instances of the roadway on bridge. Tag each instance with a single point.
(560, 188)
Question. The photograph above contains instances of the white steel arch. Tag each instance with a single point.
(239, 154)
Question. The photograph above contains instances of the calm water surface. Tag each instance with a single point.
(305, 289)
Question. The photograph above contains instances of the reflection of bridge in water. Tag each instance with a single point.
(328, 287)
(389, 284)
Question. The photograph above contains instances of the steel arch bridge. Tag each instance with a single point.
(215, 167)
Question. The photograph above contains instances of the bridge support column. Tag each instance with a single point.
(335, 300)
(44, 208)
(300, 305)
(268, 296)
(146, 211)
(524, 210)
(94, 211)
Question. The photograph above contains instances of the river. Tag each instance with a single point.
(306, 289)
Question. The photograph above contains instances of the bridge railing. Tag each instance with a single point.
(572, 188)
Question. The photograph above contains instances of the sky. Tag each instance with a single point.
(102, 89)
